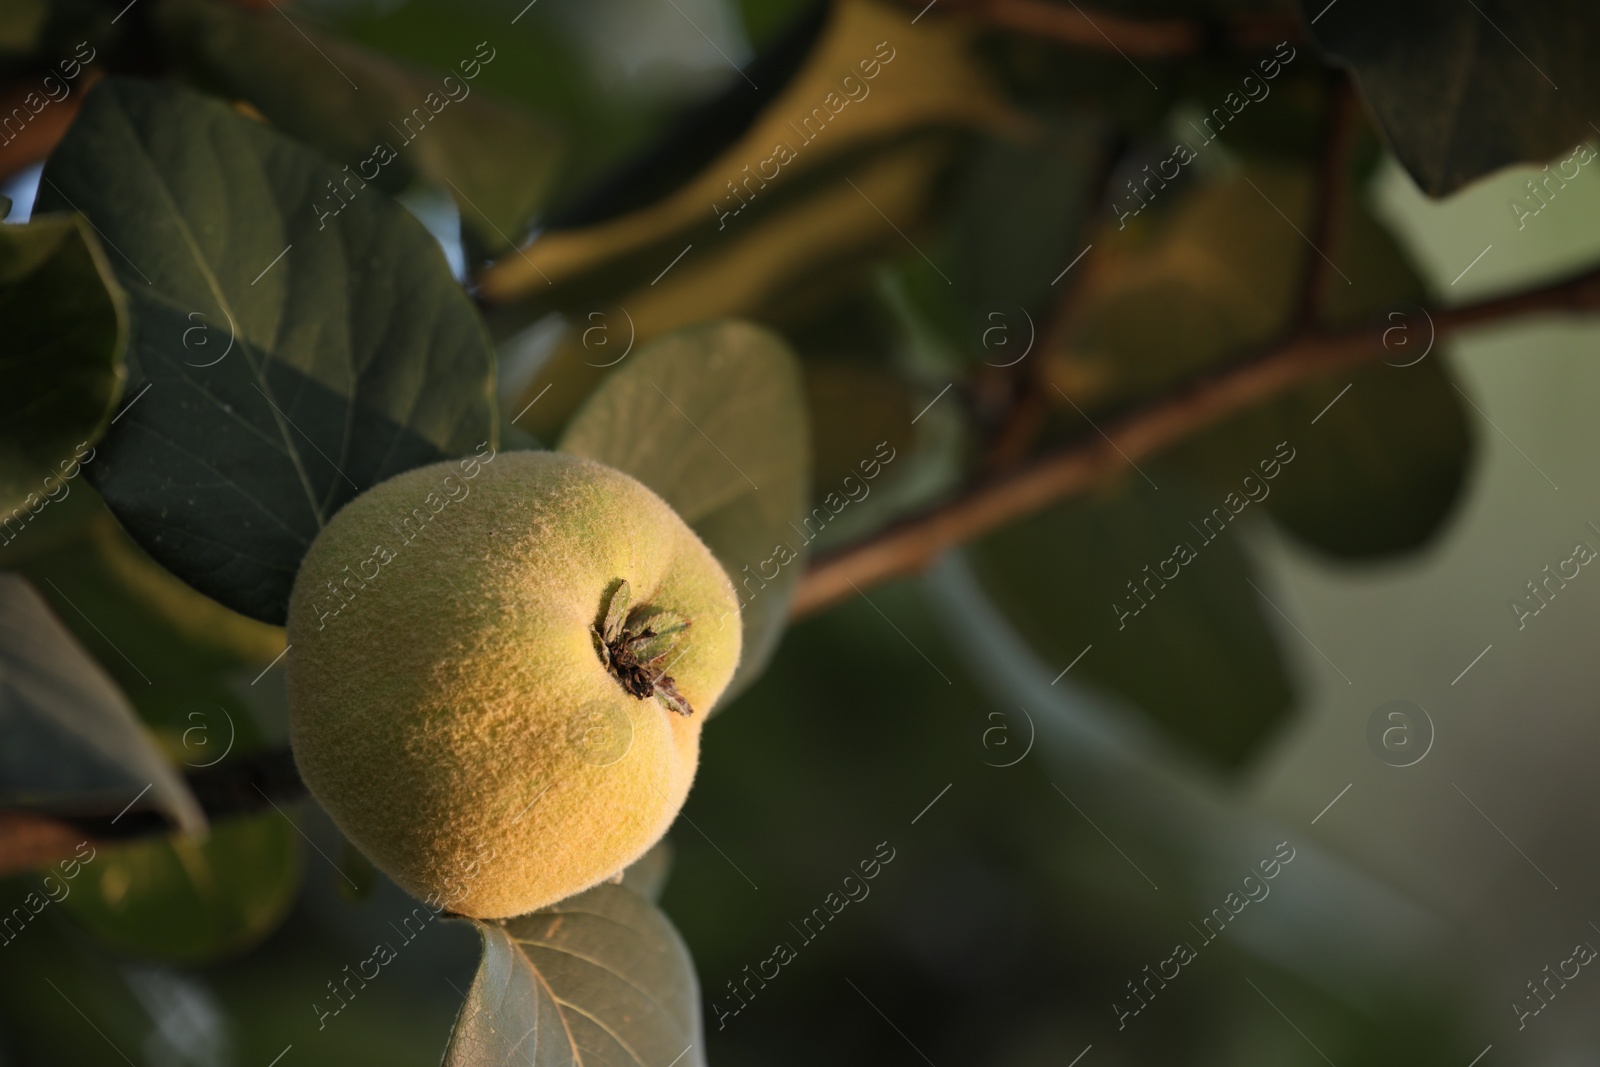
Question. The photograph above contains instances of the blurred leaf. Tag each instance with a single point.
(869, 440)
(1384, 469)
(1223, 269)
(601, 979)
(699, 133)
(538, 66)
(329, 362)
(1197, 657)
(764, 19)
(1283, 117)
(360, 876)
(66, 999)
(647, 875)
(22, 24)
(73, 746)
(1464, 89)
(922, 77)
(497, 161)
(780, 269)
(61, 370)
(129, 601)
(1378, 474)
(852, 409)
(713, 419)
(1021, 214)
(191, 900)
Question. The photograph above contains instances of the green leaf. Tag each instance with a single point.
(905, 81)
(598, 980)
(22, 25)
(1197, 656)
(189, 900)
(713, 419)
(281, 365)
(146, 627)
(496, 160)
(61, 370)
(1222, 266)
(1378, 474)
(72, 743)
(1384, 468)
(1022, 208)
(1464, 89)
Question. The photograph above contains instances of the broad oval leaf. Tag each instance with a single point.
(1381, 473)
(497, 161)
(284, 358)
(598, 980)
(713, 419)
(72, 743)
(1378, 474)
(61, 369)
(1462, 89)
(191, 900)
(1192, 651)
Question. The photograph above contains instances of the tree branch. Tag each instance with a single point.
(911, 545)
(1104, 31)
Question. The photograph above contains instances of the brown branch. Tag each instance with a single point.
(1333, 200)
(36, 139)
(912, 544)
(1104, 31)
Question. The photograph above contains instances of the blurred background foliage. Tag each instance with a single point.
(930, 237)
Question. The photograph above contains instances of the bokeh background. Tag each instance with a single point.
(1024, 899)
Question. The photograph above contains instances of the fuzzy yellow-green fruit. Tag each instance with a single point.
(459, 700)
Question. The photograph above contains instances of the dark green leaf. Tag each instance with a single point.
(1225, 271)
(1183, 289)
(1382, 470)
(1020, 218)
(1378, 474)
(72, 744)
(188, 899)
(713, 419)
(497, 161)
(1193, 652)
(61, 371)
(1462, 89)
(281, 365)
(22, 24)
(599, 980)
(148, 629)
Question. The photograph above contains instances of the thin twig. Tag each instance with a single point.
(1031, 402)
(1332, 197)
(912, 544)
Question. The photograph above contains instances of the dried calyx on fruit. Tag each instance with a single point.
(635, 644)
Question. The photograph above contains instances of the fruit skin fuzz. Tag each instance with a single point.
(456, 707)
